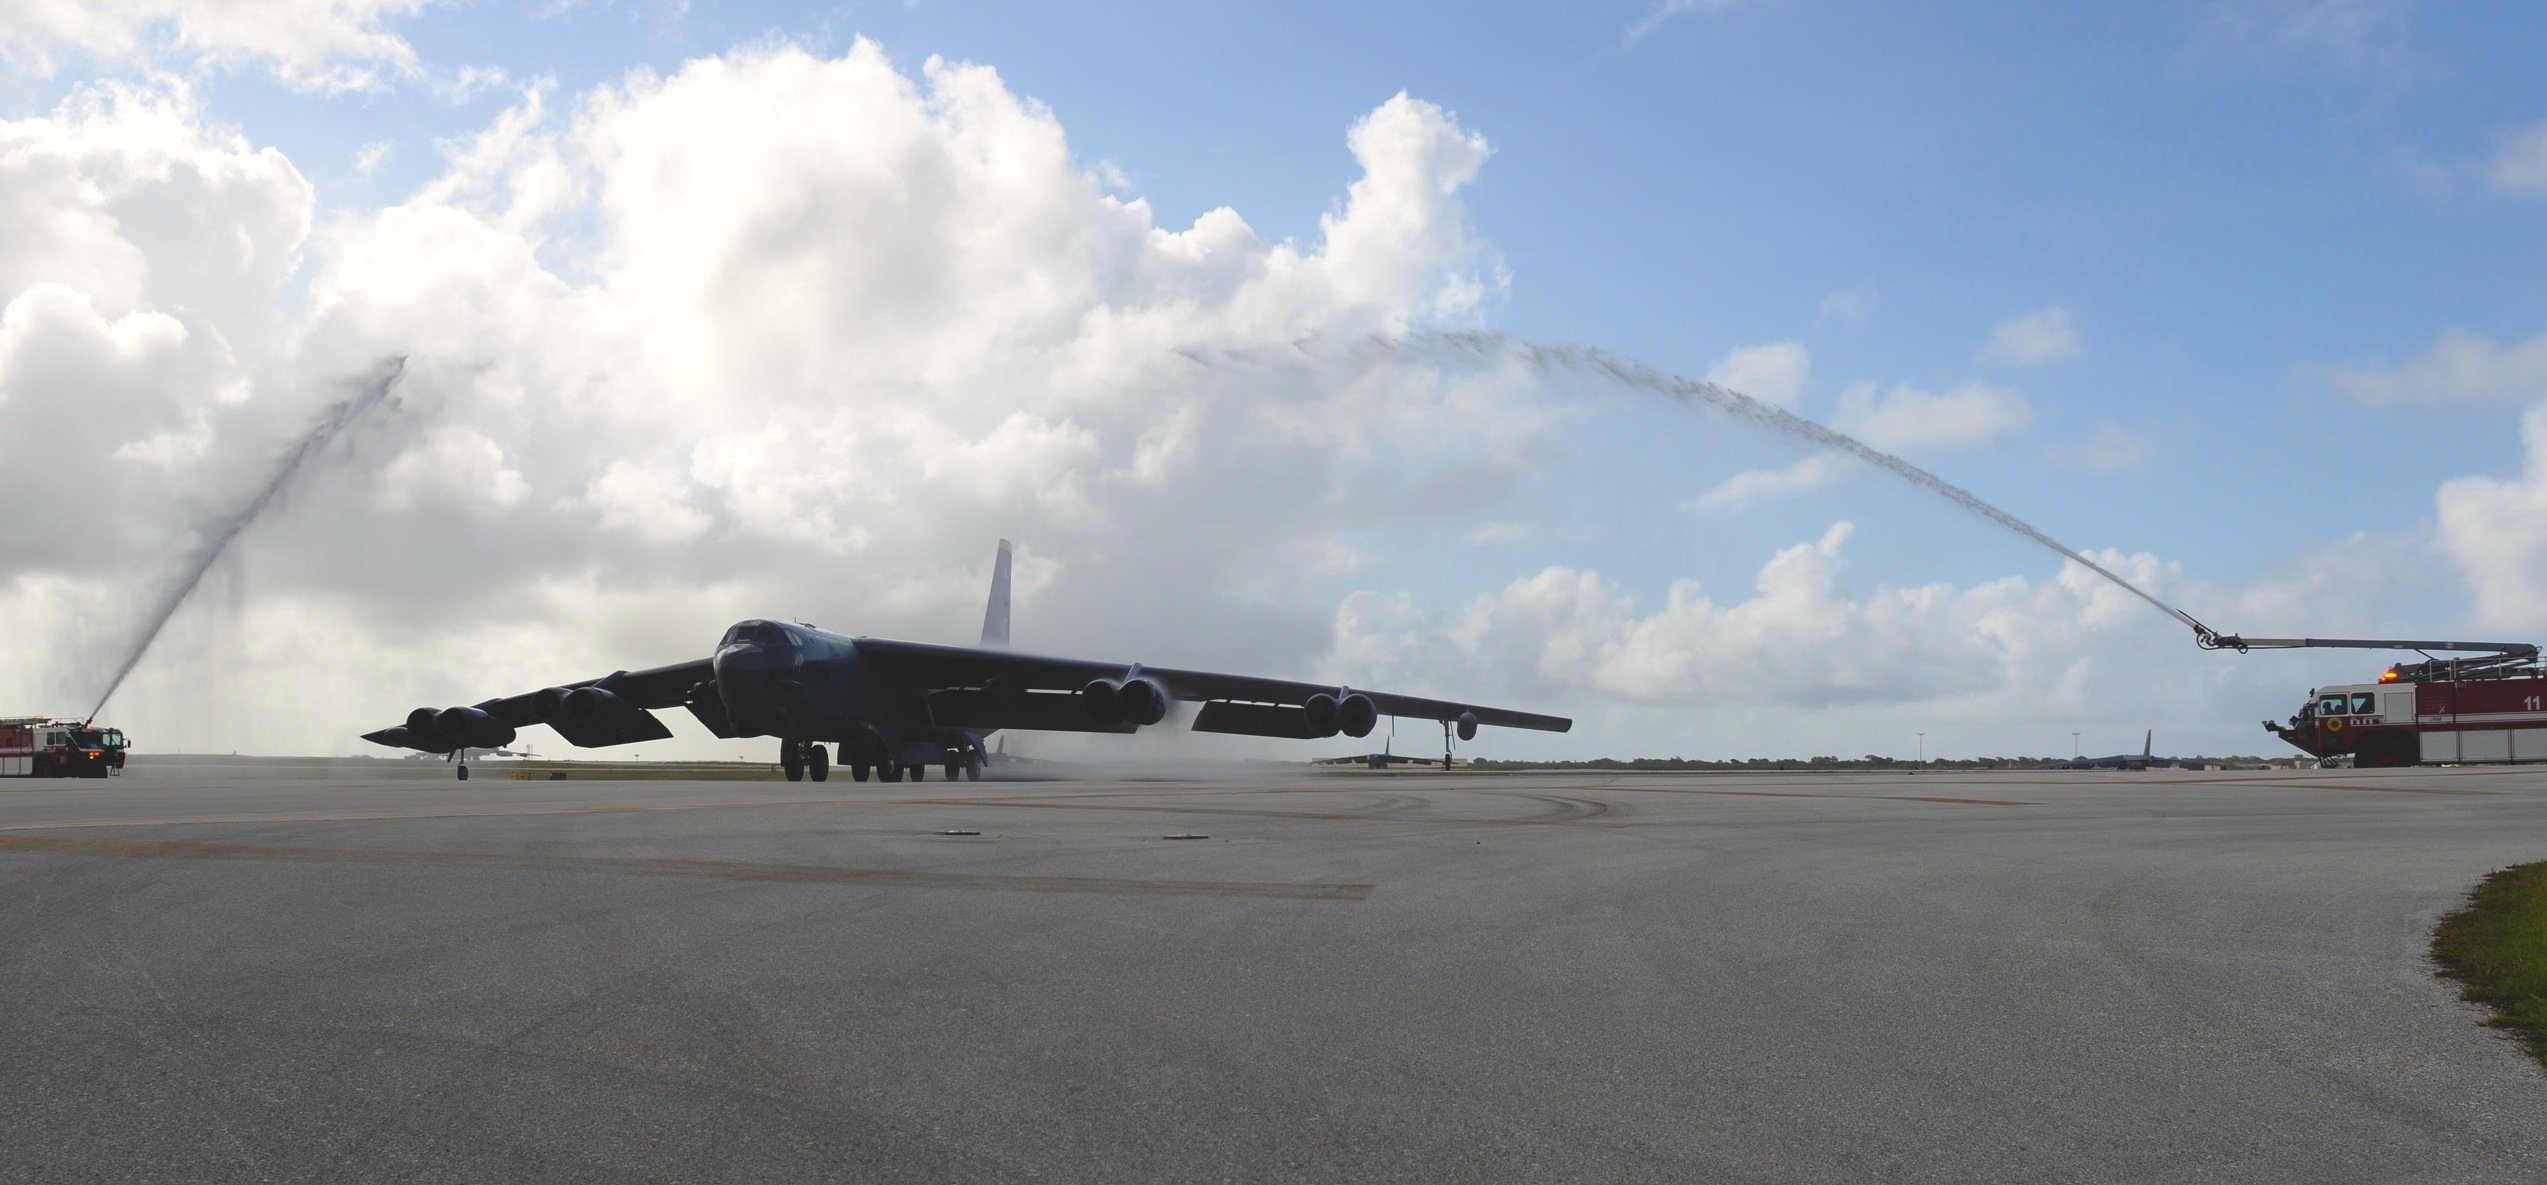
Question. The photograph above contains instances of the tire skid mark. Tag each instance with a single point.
(722, 870)
(1936, 798)
(1565, 814)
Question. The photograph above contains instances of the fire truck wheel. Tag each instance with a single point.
(44, 767)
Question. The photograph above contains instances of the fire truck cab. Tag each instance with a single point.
(34, 747)
(2436, 712)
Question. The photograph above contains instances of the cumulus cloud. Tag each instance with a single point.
(1774, 373)
(1911, 419)
(328, 45)
(678, 355)
(2463, 368)
(2521, 165)
(2001, 666)
(2111, 449)
(2495, 531)
(2038, 336)
(1759, 485)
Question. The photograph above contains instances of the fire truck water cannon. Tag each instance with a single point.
(2488, 707)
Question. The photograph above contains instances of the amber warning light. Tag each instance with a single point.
(2389, 676)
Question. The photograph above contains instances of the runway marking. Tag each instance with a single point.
(724, 870)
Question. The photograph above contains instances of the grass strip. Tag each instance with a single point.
(2497, 949)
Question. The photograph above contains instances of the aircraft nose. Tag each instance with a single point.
(748, 679)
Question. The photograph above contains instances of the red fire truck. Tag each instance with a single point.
(2491, 707)
(34, 747)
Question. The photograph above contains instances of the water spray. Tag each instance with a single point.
(218, 534)
(1602, 364)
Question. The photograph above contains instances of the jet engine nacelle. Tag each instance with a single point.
(1100, 701)
(592, 704)
(1142, 701)
(548, 704)
(471, 727)
(1138, 701)
(1467, 723)
(1356, 715)
(1324, 715)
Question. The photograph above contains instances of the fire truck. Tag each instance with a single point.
(34, 747)
(2490, 707)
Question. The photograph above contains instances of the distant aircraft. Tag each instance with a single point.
(896, 708)
(2139, 760)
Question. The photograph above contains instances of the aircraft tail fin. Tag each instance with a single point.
(995, 616)
(2145, 738)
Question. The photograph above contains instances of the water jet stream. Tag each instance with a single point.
(218, 534)
(1592, 361)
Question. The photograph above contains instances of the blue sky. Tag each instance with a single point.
(2236, 227)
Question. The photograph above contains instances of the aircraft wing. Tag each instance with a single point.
(624, 716)
(987, 688)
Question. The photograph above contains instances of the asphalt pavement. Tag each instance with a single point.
(2092, 977)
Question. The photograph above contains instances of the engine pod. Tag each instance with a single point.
(1356, 715)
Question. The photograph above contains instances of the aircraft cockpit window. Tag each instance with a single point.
(2364, 703)
(758, 633)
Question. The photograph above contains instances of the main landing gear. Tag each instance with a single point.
(800, 760)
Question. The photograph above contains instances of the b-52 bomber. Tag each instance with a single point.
(896, 708)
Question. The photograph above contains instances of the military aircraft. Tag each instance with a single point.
(2139, 760)
(896, 708)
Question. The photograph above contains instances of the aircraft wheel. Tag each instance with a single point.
(791, 761)
(917, 773)
(817, 763)
(858, 770)
(888, 770)
(464, 773)
(954, 767)
(973, 766)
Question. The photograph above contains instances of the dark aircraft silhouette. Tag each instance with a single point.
(896, 708)
(2139, 760)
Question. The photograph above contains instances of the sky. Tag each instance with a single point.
(1226, 313)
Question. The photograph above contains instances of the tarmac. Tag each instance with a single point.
(2091, 977)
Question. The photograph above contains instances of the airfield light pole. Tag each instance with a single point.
(1923, 748)
(2073, 745)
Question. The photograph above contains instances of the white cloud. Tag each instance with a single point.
(2001, 666)
(2348, 32)
(1909, 419)
(2521, 165)
(1663, 11)
(2038, 336)
(1758, 485)
(1849, 307)
(326, 45)
(2463, 368)
(1774, 373)
(2495, 531)
(2110, 450)
(679, 355)
(1492, 534)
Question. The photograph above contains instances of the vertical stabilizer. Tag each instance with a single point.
(1003, 563)
(995, 617)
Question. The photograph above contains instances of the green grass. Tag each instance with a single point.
(2497, 949)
